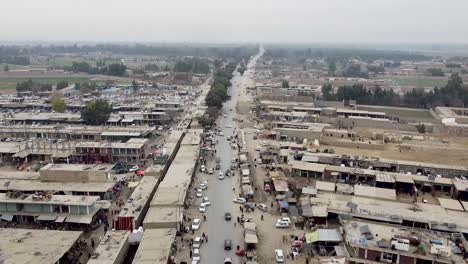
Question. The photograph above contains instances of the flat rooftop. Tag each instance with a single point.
(167, 196)
(155, 247)
(24, 246)
(162, 217)
(78, 167)
(112, 248)
(139, 197)
(437, 217)
(36, 185)
(54, 199)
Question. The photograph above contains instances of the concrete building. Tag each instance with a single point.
(27, 208)
(112, 249)
(156, 246)
(76, 172)
(375, 242)
(111, 152)
(22, 246)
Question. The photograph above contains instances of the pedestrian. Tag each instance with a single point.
(261, 217)
(190, 253)
(204, 217)
(307, 260)
(238, 220)
(235, 224)
(206, 237)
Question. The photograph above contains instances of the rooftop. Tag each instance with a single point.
(36, 185)
(22, 246)
(78, 167)
(112, 245)
(155, 247)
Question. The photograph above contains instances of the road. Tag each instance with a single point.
(220, 192)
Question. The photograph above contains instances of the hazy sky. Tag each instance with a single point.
(352, 21)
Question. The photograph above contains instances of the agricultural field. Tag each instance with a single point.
(420, 82)
(10, 83)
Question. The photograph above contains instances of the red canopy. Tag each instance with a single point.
(140, 172)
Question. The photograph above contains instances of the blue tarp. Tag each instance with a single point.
(283, 204)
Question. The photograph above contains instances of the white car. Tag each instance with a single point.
(228, 125)
(259, 161)
(206, 201)
(196, 224)
(134, 168)
(284, 219)
(197, 242)
(281, 224)
(202, 208)
(279, 256)
(196, 254)
(202, 186)
(258, 148)
(199, 193)
(202, 168)
(221, 175)
(240, 200)
(210, 171)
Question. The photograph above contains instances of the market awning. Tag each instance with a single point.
(7, 217)
(61, 155)
(60, 219)
(21, 154)
(46, 218)
(79, 219)
(140, 172)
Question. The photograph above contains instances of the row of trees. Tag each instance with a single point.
(35, 87)
(194, 65)
(452, 94)
(114, 69)
(218, 91)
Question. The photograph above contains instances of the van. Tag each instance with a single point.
(400, 244)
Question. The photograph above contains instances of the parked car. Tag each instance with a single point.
(196, 224)
(134, 168)
(259, 161)
(240, 200)
(227, 261)
(206, 201)
(258, 148)
(227, 244)
(279, 256)
(196, 254)
(262, 207)
(197, 242)
(210, 171)
(203, 186)
(199, 193)
(227, 216)
(202, 208)
(202, 168)
(217, 167)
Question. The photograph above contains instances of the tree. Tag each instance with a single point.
(332, 68)
(285, 84)
(6, 68)
(87, 87)
(96, 112)
(115, 69)
(435, 72)
(134, 86)
(61, 85)
(58, 105)
(327, 91)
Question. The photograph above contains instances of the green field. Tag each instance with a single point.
(421, 114)
(421, 82)
(10, 83)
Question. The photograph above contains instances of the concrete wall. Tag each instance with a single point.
(73, 176)
(351, 144)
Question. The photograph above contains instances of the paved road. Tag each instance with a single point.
(220, 192)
